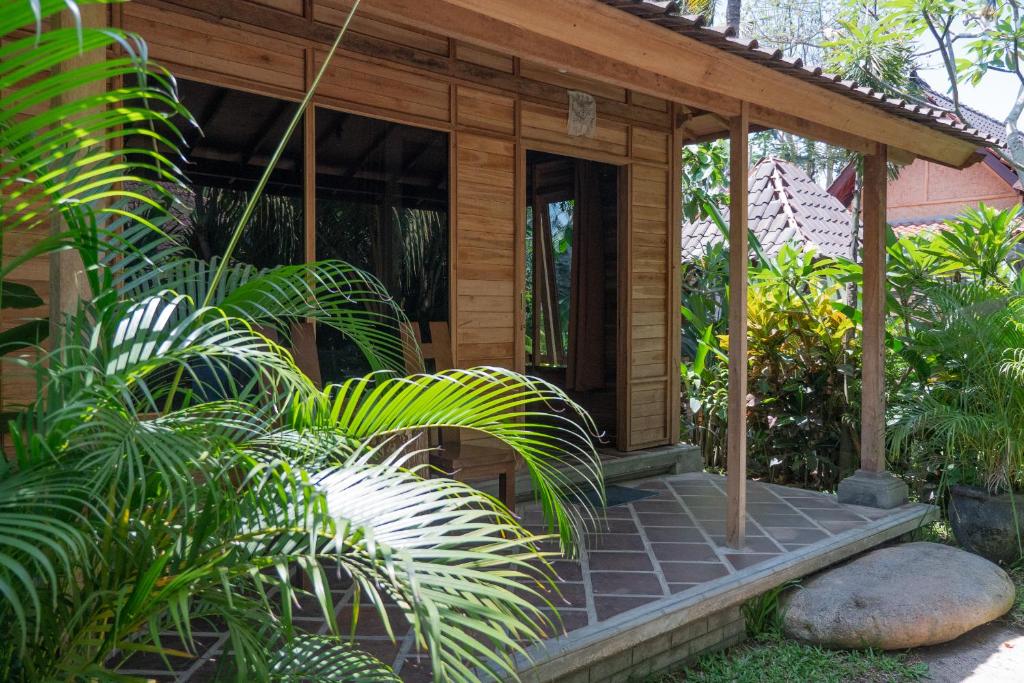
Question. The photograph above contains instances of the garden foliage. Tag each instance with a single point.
(955, 355)
(177, 470)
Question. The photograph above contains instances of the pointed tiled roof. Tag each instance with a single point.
(786, 205)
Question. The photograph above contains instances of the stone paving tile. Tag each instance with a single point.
(793, 521)
(693, 572)
(568, 570)
(684, 552)
(832, 515)
(617, 526)
(674, 534)
(566, 619)
(663, 519)
(620, 561)
(792, 535)
(652, 505)
(569, 595)
(616, 542)
(625, 583)
(608, 606)
(678, 546)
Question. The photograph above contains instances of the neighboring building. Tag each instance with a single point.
(786, 206)
(927, 194)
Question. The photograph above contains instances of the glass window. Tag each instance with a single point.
(382, 205)
(237, 135)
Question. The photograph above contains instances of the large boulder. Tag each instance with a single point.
(899, 597)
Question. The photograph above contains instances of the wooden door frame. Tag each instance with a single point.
(622, 177)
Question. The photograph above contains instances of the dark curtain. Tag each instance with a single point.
(585, 370)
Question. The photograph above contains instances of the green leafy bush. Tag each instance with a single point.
(803, 351)
(176, 468)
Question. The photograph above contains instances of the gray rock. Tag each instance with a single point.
(895, 598)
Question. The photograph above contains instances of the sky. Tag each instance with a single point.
(993, 96)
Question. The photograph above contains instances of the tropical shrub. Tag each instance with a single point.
(177, 469)
(962, 414)
(803, 402)
(957, 407)
(803, 355)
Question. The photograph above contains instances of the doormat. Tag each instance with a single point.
(616, 495)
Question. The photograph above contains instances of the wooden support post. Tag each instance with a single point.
(872, 438)
(739, 255)
(871, 485)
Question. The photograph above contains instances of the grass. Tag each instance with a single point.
(771, 658)
(1015, 617)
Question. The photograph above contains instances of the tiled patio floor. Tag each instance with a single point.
(651, 553)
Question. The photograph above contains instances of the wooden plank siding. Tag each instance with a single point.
(651, 361)
(495, 107)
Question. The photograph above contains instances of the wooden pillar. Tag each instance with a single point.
(872, 450)
(739, 255)
(871, 485)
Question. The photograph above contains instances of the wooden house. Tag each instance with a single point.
(478, 124)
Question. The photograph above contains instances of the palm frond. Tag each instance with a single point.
(58, 158)
(536, 419)
(321, 658)
(332, 293)
(41, 538)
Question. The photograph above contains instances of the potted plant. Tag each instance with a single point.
(965, 412)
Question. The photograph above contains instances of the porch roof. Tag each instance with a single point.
(648, 48)
(665, 13)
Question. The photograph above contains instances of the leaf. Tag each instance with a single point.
(17, 295)
(25, 335)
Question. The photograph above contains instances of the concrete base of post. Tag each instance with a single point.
(882, 490)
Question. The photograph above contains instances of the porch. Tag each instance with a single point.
(657, 585)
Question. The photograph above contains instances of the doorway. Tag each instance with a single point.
(572, 234)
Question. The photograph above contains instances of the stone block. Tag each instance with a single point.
(873, 489)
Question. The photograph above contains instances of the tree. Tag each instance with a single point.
(992, 35)
(177, 469)
(733, 12)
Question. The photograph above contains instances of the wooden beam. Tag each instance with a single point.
(739, 255)
(597, 41)
(763, 116)
(675, 274)
(900, 157)
(872, 439)
(310, 143)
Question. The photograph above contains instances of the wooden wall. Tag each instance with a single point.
(18, 385)
(495, 107)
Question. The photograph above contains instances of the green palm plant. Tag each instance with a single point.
(967, 414)
(981, 244)
(177, 468)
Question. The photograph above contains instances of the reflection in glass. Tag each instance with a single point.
(382, 205)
